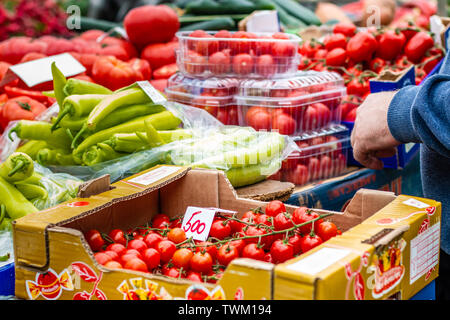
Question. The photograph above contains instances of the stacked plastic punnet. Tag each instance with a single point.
(252, 79)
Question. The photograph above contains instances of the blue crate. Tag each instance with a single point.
(427, 293)
(7, 278)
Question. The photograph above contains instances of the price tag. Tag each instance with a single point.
(39, 70)
(197, 222)
(152, 93)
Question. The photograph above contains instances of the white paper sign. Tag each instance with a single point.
(263, 21)
(155, 175)
(319, 260)
(197, 222)
(153, 94)
(416, 203)
(39, 71)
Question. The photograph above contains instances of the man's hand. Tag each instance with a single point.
(371, 138)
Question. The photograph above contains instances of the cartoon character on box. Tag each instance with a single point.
(49, 285)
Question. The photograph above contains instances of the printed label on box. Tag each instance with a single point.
(416, 203)
(319, 260)
(197, 222)
(154, 175)
(424, 252)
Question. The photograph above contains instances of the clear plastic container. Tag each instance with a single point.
(320, 155)
(305, 102)
(237, 54)
(215, 95)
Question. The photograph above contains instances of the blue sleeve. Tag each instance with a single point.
(422, 113)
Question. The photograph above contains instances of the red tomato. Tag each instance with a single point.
(142, 66)
(347, 29)
(268, 257)
(201, 262)
(95, 240)
(417, 46)
(310, 241)
(283, 49)
(166, 248)
(310, 47)
(136, 264)
(242, 63)
(13, 49)
(226, 254)
(335, 40)
(161, 221)
(326, 230)
(239, 244)
(30, 56)
(284, 123)
(223, 34)
(20, 108)
(118, 248)
(336, 57)
(219, 62)
(130, 254)
(295, 241)
(220, 230)
(117, 236)
(194, 276)
(176, 235)
(361, 46)
(112, 254)
(350, 116)
(207, 247)
(275, 207)
(159, 84)
(137, 244)
(390, 44)
(238, 47)
(323, 114)
(302, 215)
(265, 65)
(299, 175)
(160, 54)
(194, 63)
(152, 240)
(282, 221)
(166, 71)
(102, 257)
(377, 65)
(114, 73)
(253, 251)
(182, 257)
(281, 251)
(113, 265)
(151, 24)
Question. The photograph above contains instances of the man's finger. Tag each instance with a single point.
(366, 158)
(385, 153)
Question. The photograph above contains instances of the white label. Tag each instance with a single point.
(416, 203)
(40, 70)
(154, 175)
(424, 252)
(197, 222)
(263, 21)
(409, 146)
(319, 260)
(153, 94)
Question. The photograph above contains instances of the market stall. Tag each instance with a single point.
(144, 153)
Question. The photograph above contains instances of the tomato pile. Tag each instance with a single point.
(361, 55)
(321, 157)
(241, 54)
(161, 246)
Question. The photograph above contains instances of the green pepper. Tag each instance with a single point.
(15, 203)
(47, 157)
(18, 166)
(175, 135)
(59, 81)
(32, 147)
(153, 138)
(74, 124)
(78, 86)
(32, 191)
(77, 106)
(99, 153)
(127, 142)
(5, 224)
(244, 176)
(163, 120)
(40, 130)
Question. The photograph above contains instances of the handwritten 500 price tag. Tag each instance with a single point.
(197, 222)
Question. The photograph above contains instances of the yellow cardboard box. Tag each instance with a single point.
(54, 261)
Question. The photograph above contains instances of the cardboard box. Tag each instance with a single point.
(392, 254)
(54, 261)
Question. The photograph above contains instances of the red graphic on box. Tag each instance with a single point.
(239, 295)
(87, 274)
(423, 227)
(355, 279)
(78, 204)
(49, 284)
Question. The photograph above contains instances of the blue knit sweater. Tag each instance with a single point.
(422, 114)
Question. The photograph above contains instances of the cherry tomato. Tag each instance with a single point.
(130, 254)
(299, 175)
(223, 34)
(207, 247)
(137, 244)
(166, 248)
(258, 235)
(310, 47)
(310, 241)
(242, 63)
(260, 120)
(102, 257)
(390, 44)
(295, 241)
(220, 229)
(219, 62)
(239, 244)
(253, 251)
(136, 264)
(182, 257)
(265, 65)
(284, 123)
(201, 262)
(226, 254)
(268, 257)
(326, 230)
(114, 255)
(335, 40)
(151, 257)
(152, 239)
(302, 215)
(282, 221)
(345, 28)
(417, 46)
(161, 221)
(361, 46)
(281, 251)
(274, 207)
(176, 235)
(113, 265)
(95, 240)
(117, 247)
(194, 276)
(165, 72)
(336, 57)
